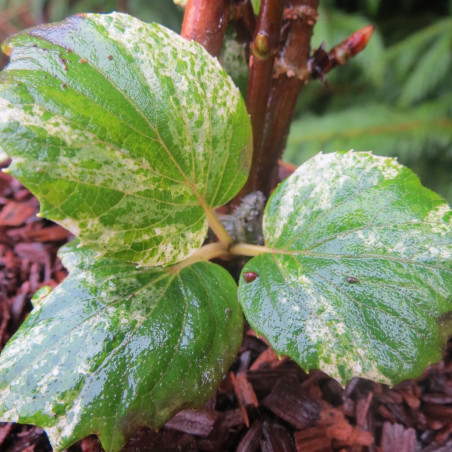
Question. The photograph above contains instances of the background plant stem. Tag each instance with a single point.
(205, 21)
(244, 20)
(291, 74)
(263, 48)
(279, 68)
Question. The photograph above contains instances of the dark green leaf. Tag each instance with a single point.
(114, 347)
(358, 277)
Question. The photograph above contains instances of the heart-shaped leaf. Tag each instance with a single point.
(358, 275)
(128, 134)
(115, 347)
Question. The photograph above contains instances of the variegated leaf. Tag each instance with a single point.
(128, 134)
(358, 275)
(114, 347)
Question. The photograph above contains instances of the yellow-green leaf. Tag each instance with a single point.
(128, 134)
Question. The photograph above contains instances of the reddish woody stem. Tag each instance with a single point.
(291, 74)
(244, 20)
(205, 21)
(263, 52)
(122, 6)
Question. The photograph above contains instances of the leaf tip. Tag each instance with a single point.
(39, 295)
(6, 49)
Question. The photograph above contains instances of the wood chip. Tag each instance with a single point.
(437, 398)
(312, 440)
(276, 438)
(291, 403)
(411, 399)
(200, 423)
(53, 233)
(214, 442)
(263, 380)
(5, 428)
(5, 317)
(395, 438)
(245, 394)
(250, 442)
(245, 361)
(30, 448)
(341, 431)
(33, 252)
(251, 342)
(444, 447)
(362, 408)
(233, 418)
(22, 195)
(26, 440)
(265, 359)
(439, 412)
(389, 397)
(444, 433)
(90, 444)
(15, 213)
(386, 414)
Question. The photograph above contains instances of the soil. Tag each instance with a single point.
(264, 404)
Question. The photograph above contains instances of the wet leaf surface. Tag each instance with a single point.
(128, 134)
(114, 347)
(359, 279)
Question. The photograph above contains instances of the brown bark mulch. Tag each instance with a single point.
(264, 404)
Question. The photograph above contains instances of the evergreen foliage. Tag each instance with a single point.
(395, 97)
(392, 98)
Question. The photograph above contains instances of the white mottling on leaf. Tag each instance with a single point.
(171, 138)
(96, 364)
(363, 269)
(317, 185)
(440, 219)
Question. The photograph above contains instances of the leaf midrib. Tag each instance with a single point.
(275, 251)
(98, 312)
(189, 183)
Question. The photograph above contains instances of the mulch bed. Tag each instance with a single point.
(264, 404)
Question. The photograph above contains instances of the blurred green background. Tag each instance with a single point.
(16, 15)
(395, 98)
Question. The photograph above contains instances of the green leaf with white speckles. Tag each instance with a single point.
(128, 134)
(114, 347)
(233, 59)
(358, 281)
